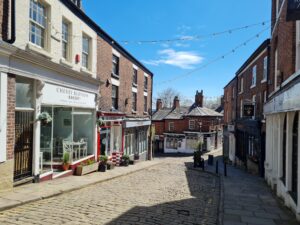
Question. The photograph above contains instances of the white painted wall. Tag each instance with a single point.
(3, 115)
(57, 11)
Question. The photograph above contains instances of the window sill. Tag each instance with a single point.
(134, 85)
(253, 86)
(66, 63)
(241, 92)
(115, 75)
(145, 113)
(133, 112)
(264, 81)
(86, 71)
(145, 90)
(39, 50)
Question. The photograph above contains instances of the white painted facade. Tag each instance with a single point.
(56, 13)
(284, 105)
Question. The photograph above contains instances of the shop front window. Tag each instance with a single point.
(24, 93)
(129, 144)
(105, 141)
(142, 141)
(71, 130)
(116, 138)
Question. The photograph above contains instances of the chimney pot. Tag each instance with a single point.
(176, 102)
(158, 104)
(199, 98)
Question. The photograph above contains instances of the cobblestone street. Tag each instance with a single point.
(168, 193)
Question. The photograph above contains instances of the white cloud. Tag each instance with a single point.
(181, 59)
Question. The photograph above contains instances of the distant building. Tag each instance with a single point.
(180, 129)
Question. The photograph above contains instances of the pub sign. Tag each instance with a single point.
(248, 110)
(293, 10)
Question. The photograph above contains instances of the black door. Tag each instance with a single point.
(23, 145)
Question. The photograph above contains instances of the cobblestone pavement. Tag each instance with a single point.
(165, 194)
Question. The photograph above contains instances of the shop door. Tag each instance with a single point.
(23, 144)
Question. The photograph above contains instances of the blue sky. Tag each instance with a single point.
(135, 20)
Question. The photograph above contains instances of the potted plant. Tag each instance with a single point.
(125, 160)
(99, 123)
(45, 118)
(66, 161)
(86, 167)
(103, 163)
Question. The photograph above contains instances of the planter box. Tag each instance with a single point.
(82, 170)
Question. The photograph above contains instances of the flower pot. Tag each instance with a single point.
(110, 165)
(102, 167)
(65, 166)
(125, 162)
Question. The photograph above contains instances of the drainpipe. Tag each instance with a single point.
(13, 22)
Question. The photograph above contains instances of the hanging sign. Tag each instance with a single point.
(293, 10)
(248, 110)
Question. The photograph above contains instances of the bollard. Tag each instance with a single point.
(217, 167)
(225, 169)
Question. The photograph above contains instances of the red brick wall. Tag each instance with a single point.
(11, 99)
(4, 14)
(230, 102)
(104, 67)
(182, 125)
(258, 90)
(159, 127)
(284, 39)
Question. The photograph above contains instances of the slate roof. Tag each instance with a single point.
(181, 112)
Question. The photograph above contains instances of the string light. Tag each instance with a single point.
(195, 37)
(214, 60)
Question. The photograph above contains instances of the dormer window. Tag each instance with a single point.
(37, 33)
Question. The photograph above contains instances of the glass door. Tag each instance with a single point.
(46, 143)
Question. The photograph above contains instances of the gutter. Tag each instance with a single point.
(13, 23)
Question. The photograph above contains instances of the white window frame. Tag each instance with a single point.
(68, 41)
(171, 126)
(241, 108)
(87, 54)
(192, 124)
(265, 96)
(116, 61)
(276, 70)
(134, 101)
(265, 71)
(43, 27)
(297, 64)
(254, 72)
(242, 85)
(254, 103)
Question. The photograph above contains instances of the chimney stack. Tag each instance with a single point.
(158, 104)
(176, 102)
(199, 98)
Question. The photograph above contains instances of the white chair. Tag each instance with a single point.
(83, 147)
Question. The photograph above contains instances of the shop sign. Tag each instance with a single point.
(231, 128)
(58, 95)
(293, 10)
(137, 123)
(248, 110)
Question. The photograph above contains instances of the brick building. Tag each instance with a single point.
(53, 69)
(248, 88)
(230, 111)
(125, 103)
(282, 108)
(180, 129)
